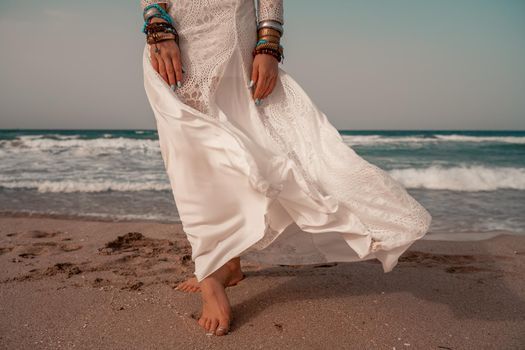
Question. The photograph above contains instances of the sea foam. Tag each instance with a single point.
(461, 178)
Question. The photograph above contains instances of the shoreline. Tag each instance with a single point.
(81, 217)
(431, 236)
(72, 283)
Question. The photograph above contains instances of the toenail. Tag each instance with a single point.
(221, 330)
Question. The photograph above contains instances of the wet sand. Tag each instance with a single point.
(70, 283)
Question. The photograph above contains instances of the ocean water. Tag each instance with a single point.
(470, 181)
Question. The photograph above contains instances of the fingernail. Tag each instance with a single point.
(250, 85)
(258, 101)
(179, 84)
(183, 69)
(172, 87)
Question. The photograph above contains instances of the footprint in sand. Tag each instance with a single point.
(29, 252)
(67, 268)
(451, 262)
(4, 250)
(42, 246)
(143, 260)
(70, 247)
(41, 234)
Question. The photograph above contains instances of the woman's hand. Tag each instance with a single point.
(167, 61)
(264, 76)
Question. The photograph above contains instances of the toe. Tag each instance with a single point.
(213, 325)
(223, 327)
(208, 326)
(202, 322)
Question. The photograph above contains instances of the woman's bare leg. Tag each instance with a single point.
(191, 285)
(216, 310)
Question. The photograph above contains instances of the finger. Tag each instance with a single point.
(170, 70)
(154, 61)
(269, 89)
(260, 88)
(162, 70)
(178, 70)
(254, 78)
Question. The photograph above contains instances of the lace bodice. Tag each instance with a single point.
(267, 9)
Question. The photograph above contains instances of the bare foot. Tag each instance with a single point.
(191, 285)
(216, 310)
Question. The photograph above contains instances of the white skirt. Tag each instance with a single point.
(274, 183)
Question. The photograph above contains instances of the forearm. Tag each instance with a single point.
(270, 10)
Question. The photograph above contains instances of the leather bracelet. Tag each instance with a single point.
(162, 30)
(159, 26)
(154, 38)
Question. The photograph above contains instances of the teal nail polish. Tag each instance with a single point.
(172, 87)
(258, 102)
(183, 69)
(179, 84)
(251, 84)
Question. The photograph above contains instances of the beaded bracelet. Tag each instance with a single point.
(271, 52)
(274, 49)
(271, 47)
(263, 41)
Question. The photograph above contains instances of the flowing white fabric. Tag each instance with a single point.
(274, 183)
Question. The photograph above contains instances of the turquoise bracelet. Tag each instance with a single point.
(263, 41)
(162, 14)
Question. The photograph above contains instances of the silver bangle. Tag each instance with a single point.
(150, 13)
(269, 23)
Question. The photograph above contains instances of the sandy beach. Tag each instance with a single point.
(71, 283)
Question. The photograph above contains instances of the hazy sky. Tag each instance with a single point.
(368, 64)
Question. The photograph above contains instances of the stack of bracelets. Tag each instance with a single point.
(269, 36)
(158, 31)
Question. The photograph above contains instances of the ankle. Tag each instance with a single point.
(234, 264)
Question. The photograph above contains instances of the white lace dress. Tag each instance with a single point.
(274, 183)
